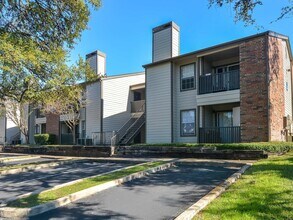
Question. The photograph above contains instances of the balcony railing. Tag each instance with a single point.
(102, 138)
(219, 135)
(138, 106)
(219, 82)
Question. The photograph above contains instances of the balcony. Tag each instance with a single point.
(138, 106)
(219, 82)
(219, 135)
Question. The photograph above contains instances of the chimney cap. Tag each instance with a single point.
(165, 26)
(97, 52)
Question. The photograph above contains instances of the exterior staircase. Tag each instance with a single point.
(130, 129)
(15, 139)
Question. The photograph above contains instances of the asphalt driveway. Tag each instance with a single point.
(21, 183)
(162, 195)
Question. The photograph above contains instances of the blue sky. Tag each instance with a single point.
(123, 28)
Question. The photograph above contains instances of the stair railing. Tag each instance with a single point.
(139, 120)
(125, 128)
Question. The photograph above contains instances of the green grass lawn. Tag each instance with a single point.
(265, 191)
(51, 195)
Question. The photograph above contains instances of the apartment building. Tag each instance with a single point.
(114, 110)
(239, 91)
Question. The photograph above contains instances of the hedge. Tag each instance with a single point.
(44, 139)
(271, 147)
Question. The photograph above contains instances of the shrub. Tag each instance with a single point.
(271, 147)
(44, 139)
(52, 139)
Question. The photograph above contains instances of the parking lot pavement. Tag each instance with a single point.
(21, 183)
(162, 195)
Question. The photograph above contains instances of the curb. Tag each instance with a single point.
(213, 194)
(18, 158)
(9, 212)
(35, 167)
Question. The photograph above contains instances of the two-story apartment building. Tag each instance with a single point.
(236, 91)
(239, 91)
(114, 107)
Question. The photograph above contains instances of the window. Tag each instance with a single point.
(187, 73)
(188, 123)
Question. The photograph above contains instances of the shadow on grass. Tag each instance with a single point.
(264, 206)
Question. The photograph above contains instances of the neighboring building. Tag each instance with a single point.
(240, 91)
(111, 103)
(9, 132)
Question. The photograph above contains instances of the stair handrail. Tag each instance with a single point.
(137, 128)
(115, 139)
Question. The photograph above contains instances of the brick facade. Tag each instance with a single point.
(53, 126)
(276, 88)
(262, 104)
(253, 90)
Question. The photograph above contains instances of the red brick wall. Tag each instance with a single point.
(276, 89)
(52, 125)
(253, 91)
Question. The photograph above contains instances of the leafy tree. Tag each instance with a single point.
(244, 9)
(35, 38)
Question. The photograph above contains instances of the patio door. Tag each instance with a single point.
(224, 122)
(224, 119)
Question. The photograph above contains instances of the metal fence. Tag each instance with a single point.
(219, 82)
(102, 138)
(219, 135)
(67, 139)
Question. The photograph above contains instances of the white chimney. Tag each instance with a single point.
(97, 61)
(166, 41)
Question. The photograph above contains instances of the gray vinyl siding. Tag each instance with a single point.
(287, 80)
(11, 131)
(158, 104)
(175, 43)
(93, 108)
(162, 44)
(92, 60)
(209, 117)
(117, 98)
(219, 98)
(2, 130)
(101, 65)
(182, 100)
